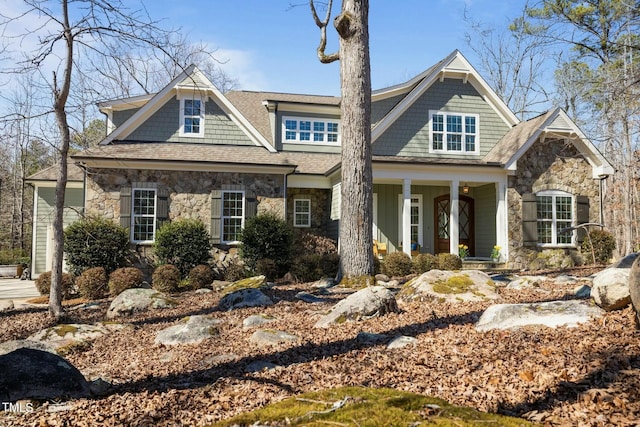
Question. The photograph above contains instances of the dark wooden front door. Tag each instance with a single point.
(442, 208)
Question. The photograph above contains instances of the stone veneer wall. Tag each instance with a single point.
(549, 165)
(320, 207)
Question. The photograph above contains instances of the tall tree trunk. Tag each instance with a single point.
(61, 94)
(356, 240)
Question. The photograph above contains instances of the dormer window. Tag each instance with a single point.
(453, 133)
(308, 130)
(191, 117)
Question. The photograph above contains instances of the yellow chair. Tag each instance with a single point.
(379, 249)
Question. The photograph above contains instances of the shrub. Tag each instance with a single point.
(14, 256)
(200, 276)
(396, 264)
(422, 263)
(308, 242)
(124, 278)
(266, 236)
(235, 271)
(603, 246)
(95, 242)
(329, 264)
(92, 283)
(449, 261)
(306, 268)
(267, 267)
(43, 284)
(166, 278)
(183, 243)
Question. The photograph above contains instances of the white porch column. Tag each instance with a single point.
(406, 216)
(502, 226)
(454, 230)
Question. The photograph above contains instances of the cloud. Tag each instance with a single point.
(242, 65)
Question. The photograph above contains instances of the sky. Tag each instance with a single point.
(270, 45)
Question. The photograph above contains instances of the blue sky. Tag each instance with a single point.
(270, 46)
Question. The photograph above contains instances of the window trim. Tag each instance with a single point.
(444, 149)
(554, 220)
(312, 121)
(224, 217)
(134, 215)
(420, 217)
(183, 117)
(296, 212)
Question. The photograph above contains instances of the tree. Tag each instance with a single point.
(356, 222)
(66, 39)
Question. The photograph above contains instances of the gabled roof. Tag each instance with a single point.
(455, 65)
(74, 174)
(552, 124)
(190, 79)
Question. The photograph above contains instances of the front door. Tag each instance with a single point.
(442, 208)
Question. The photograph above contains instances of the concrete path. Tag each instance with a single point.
(16, 289)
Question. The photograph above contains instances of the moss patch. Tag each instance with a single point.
(453, 285)
(371, 407)
(357, 282)
(256, 282)
(63, 330)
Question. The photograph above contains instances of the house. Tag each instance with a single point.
(451, 165)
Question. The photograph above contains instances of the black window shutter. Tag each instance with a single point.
(582, 215)
(125, 207)
(250, 205)
(529, 220)
(216, 215)
(162, 215)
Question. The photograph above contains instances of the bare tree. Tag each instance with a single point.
(68, 31)
(356, 221)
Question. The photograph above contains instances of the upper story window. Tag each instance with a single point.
(554, 215)
(310, 131)
(191, 117)
(453, 133)
(143, 215)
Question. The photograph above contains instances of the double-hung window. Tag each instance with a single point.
(302, 213)
(415, 217)
(143, 215)
(453, 133)
(554, 216)
(191, 117)
(232, 215)
(310, 130)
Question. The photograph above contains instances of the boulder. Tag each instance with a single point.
(6, 305)
(257, 320)
(244, 298)
(64, 335)
(552, 314)
(27, 373)
(137, 300)
(264, 337)
(366, 303)
(401, 341)
(451, 286)
(324, 283)
(190, 330)
(610, 288)
(9, 346)
(526, 282)
(310, 298)
(634, 289)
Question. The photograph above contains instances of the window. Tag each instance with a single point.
(302, 213)
(415, 217)
(554, 214)
(232, 215)
(453, 133)
(309, 130)
(191, 117)
(143, 216)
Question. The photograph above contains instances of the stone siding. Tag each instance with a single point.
(549, 165)
(320, 207)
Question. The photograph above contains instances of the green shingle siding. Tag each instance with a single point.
(409, 135)
(381, 108)
(119, 117)
(485, 219)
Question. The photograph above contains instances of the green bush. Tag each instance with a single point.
(235, 271)
(266, 236)
(449, 262)
(124, 278)
(604, 243)
(14, 256)
(92, 284)
(166, 278)
(268, 268)
(422, 263)
(43, 284)
(312, 267)
(183, 243)
(329, 264)
(308, 242)
(396, 264)
(95, 242)
(200, 276)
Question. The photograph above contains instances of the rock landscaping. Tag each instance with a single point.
(587, 374)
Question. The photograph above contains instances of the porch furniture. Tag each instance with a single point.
(379, 249)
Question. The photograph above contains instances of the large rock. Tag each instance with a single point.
(64, 335)
(368, 302)
(634, 288)
(451, 286)
(27, 373)
(138, 300)
(6, 305)
(610, 289)
(268, 337)
(244, 298)
(552, 314)
(9, 346)
(190, 330)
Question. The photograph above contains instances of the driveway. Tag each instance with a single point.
(16, 289)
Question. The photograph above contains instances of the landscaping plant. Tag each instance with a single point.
(183, 243)
(266, 236)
